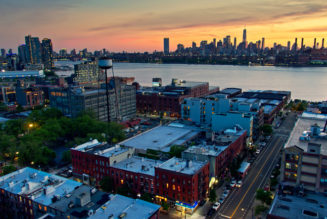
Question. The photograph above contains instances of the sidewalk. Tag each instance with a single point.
(199, 213)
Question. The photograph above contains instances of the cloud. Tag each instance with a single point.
(258, 13)
(312, 29)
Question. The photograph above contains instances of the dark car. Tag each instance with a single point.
(202, 202)
(211, 212)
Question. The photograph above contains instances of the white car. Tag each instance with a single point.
(239, 184)
(258, 151)
(233, 183)
(216, 206)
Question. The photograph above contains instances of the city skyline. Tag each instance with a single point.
(126, 26)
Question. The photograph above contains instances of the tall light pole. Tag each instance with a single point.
(106, 63)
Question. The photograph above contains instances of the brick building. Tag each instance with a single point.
(167, 100)
(182, 182)
(92, 160)
(137, 173)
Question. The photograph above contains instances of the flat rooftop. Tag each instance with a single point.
(21, 74)
(182, 166)
(132, 208)
(308, 207)
(183, 83)
(304, 123)
(37, 185)
(160, 138)
(99, 148)
(208, 150)
(138, 165)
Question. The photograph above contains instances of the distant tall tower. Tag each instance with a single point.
(22, 54)
(263, 43)
(315, 43)
(235, 46)
(294, 48)
(302, 43)
(323, 43)
(33, 48)
(47, 54)
(288, 45)
(244, 38)
(244, 35)
(214, 42)
(166, 46)
(193, 45)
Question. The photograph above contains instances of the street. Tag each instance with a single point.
(239, 202)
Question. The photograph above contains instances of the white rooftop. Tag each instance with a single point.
(209, 150)
(182, 166)
(160, 138)
(244, 166)
(37, 185)
(98, 148)
(132, 208)
(303, 124)
(138, 165)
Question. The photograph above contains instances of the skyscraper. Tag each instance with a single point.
(263, 43)
(3, 53)
(244, 35)
(235, 46)
(22, 54)
(33, 47)
(166, 46)
(302, 43)
(315, 43)
(323, 43)
(47, 54)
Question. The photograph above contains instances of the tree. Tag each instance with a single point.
(264, 196)
(66, 157)
(176, 151)
(260, 209)
(14, 127)
(107, 184)
(147, 197)
(8, 169)
(212, 195)
(266, 129)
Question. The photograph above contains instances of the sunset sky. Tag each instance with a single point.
(141, 25)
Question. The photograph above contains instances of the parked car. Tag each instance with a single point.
(239, 184)
(216, 206)
(221, 200)
(258, 151)
(210, 212)
(233, 183)
(225, 194)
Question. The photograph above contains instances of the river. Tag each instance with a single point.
(309, 83)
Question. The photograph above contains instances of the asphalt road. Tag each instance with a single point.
(239, 202)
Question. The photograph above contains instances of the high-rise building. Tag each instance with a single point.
(263, 43)
(47, 54)
(323, 43)
(166, 46)
(193, 45)
(33, 50)
(244, 35)
(235, 46)
(214, 42)
(315, 43)
(288, 45)
(3, 53)
(22, 54)
(302, 43)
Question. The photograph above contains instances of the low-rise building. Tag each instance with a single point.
(161, 138)
(91, 161)
(294, 206)
(167, 100)
(304, 161)
(225, 147)
(123, 207)
(182, 182)
(138, 173)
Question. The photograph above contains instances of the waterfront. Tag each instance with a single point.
(305, 83)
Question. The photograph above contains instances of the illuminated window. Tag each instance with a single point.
(288, 166)
(45, 208)
(179, 188)
(167, 185)
(31, 211)
(20, 199)
(40, 207)
(174, 187)
(122, 181)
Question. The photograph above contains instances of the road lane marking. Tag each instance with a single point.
(278, 140)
